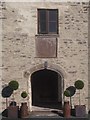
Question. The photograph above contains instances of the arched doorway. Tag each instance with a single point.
(46, 87)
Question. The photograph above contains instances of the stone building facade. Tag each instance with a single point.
(26, 54)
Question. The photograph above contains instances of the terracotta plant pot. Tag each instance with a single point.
(80, 110)
(67, 109)
(24, 110)
(13, 112)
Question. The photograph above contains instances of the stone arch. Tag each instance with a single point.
(48, 66)
(53, 67)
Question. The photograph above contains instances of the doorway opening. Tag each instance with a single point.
(46, 87)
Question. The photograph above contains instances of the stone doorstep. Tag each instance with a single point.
(41, 111)
(44, 113)
(34, 108)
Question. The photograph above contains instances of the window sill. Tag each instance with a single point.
(47, 35)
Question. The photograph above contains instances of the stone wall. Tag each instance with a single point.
(19, 26)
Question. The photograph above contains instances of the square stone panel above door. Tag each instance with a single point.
(46, 47)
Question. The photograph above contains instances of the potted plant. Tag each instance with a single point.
(14, 85)
(24, 107)
(69, 92)
(6, 93)
(67, 108)
(13, 109)
(72, 91)
(80, 110)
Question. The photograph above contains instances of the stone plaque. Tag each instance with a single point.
(46, 47)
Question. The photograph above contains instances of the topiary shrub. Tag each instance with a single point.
(6, 93)
(24, 94)
(24, 107)
(69, 92)
(79, 84)
(72, 91)
(14, 85)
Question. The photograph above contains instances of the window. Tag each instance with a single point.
(47, 21)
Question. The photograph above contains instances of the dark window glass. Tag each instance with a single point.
(47, 21)
(42, 28)
(42, 15)
(52, 27)
(42, 21)
(52, 15)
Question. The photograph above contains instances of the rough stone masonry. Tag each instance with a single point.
(19, 53)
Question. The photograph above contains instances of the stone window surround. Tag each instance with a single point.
(47, 22)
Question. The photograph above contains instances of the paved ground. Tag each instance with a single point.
(47, 114)
(57, 118)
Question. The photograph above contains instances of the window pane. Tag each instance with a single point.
(42, 15)
(53, 27)
(53, 15)
(42, 21)
(42, 28)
